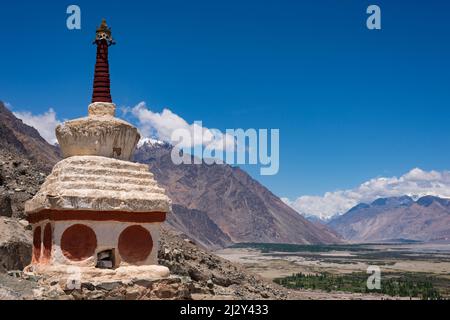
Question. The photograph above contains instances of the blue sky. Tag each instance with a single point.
(351, 104)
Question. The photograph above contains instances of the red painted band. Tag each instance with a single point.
(120, 216)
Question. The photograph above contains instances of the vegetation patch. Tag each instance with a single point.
(402, 285)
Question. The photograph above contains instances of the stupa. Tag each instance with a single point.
(97, 210)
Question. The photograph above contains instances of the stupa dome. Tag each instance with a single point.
(99, 134)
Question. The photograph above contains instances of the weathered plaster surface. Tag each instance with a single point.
(107, 233)
(99, 184)
(95, 275)
(102, 109)
(98, 134)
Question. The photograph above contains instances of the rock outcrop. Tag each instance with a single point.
(15, 244)
(5, 205)
(212, 276)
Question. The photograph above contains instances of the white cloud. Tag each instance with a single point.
(415, 183)
(163, 124)
(151, 125)
(44, 123)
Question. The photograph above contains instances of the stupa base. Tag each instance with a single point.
(72, 276)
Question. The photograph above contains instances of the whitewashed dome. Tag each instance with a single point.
(99, 134)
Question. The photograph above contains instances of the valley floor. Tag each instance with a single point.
(414, 260)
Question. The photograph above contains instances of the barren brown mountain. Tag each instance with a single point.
(243, 209)
(427, 219)
(25, 160)
(25, 140)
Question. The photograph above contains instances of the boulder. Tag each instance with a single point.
(5, 206)
(15, 245)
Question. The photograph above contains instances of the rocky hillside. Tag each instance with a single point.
(19, 138)
(25, 161)
(426, 219)
(236, 206)
(195, 274)
(20, 179)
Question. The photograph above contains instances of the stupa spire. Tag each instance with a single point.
(103, 40)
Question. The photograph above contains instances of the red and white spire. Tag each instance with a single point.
(103, 40)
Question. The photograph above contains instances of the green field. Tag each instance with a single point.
(404, 285)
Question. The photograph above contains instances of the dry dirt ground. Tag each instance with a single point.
(433, 259)
(429, 259)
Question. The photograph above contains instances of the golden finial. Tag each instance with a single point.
(104, 33)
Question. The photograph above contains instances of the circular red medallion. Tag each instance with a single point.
(78, 242)
(135, 244)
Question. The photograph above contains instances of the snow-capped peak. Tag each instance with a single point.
(150, 141)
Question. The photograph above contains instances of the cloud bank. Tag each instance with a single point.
(415, 183)
(162, 125)
(44, 123)
(159, 125)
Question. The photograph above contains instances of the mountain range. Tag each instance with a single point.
(424, 219)
(214, 205)
(228, 198)
(218, 205)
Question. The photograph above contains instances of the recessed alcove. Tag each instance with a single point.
(106, 259)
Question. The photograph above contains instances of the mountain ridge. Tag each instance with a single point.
(26, 140)
(214, 205)
(424, 219)
(230, 197)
